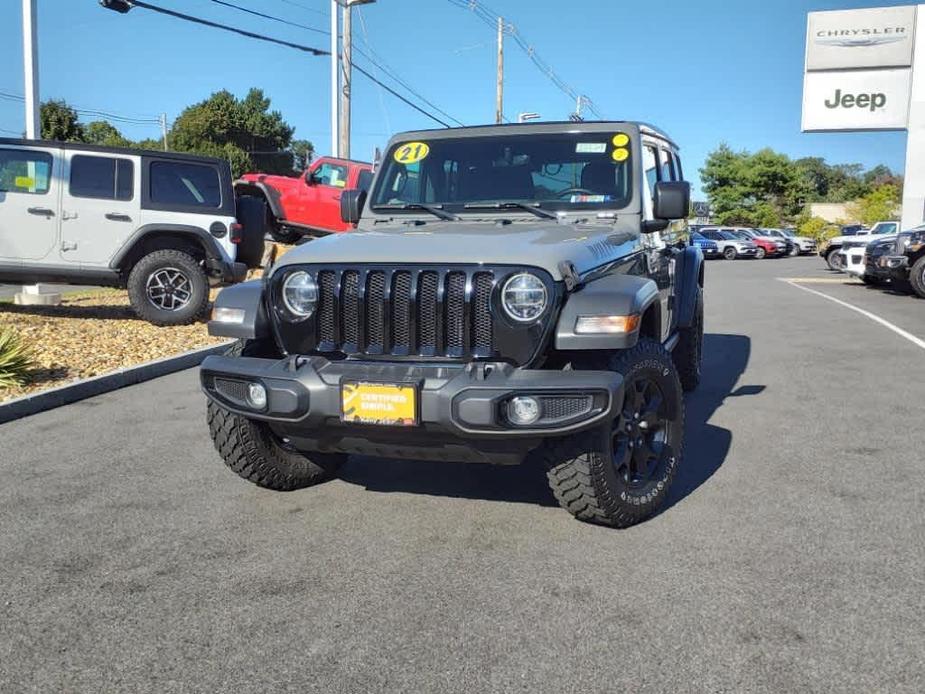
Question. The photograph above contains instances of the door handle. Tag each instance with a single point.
(118, 217)
(41, 211)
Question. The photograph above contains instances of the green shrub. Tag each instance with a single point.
(819, 229)
(15, 359)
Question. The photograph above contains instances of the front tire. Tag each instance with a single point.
(795, 251)
(834, 261)
(730, 253)
(168, 287)
(254, 452)
(619, 474)
(760, 253)
(688, 353)
(917, 277)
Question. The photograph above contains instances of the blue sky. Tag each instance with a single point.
(706, 71)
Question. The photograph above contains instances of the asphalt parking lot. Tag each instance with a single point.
(791, 556)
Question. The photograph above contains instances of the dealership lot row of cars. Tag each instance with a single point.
(743, 242)
(880, 255)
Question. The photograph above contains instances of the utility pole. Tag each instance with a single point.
(30, 60)
(343, 146)
(335, 80)
(499, 97)
(164, 129)
(347, 72)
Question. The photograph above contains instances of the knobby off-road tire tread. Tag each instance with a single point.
(137, 292)
(578, 466)
(247, 449)
(917, 277)
(688, 353)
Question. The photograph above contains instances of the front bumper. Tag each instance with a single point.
(855, 261)
(894, 266)
(460, 407)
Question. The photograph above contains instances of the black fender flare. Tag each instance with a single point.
(267, 192)
(246, 297)
(202, 237)
(612, 295)
(689, 275)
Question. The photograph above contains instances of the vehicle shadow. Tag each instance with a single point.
(705, 447)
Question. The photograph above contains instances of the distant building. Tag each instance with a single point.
(831, 211)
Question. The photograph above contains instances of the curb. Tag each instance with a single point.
(67, 394)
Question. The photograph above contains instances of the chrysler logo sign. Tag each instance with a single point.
(851, 38)
(876, 37)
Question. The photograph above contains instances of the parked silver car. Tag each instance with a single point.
(730, 245)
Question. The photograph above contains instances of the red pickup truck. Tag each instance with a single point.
(310, 204)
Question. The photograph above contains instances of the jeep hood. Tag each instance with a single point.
(544, 245)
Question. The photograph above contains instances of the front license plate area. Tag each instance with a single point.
(385, 404)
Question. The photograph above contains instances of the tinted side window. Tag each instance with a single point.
(22, 171)
(666, 165)
(364, 180)
(102, 177)
(677, 167)
(331, 175)
(179, 183)
(650, 166)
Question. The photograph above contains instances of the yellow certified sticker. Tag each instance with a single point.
(620, 154)
(620, 140)
(379, 403)
(24, 182)
(411, 152)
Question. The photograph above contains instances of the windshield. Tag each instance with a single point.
(729, 236)
(559, 171)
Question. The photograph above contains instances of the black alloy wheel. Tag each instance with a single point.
(640, 434)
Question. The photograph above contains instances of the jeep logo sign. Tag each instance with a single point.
(856, 100)
(868, 38)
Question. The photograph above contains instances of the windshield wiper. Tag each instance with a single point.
(511, 204)
(433, 209)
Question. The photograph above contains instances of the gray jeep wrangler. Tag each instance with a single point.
(510, 292)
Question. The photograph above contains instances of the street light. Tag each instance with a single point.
(529, 115)
(120, 6)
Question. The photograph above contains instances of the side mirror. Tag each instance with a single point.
(672, 200)
(351, 205)
(310, 179)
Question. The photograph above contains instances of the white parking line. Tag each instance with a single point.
(877, 319)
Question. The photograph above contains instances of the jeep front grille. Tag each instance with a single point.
(424, 312)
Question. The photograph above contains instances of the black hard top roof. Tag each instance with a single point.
(83, 147)
(546, 127)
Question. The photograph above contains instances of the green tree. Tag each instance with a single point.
(60, 122)
(880, 204)
(103, 133)
(818, 229)
(243, 131)
(302, 153)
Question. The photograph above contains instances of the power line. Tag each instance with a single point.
(376, 63)
(225, 27)
(304, 7)
(399, 96)
(490, 17)
(376, 60)
(271, 17)
(92, 112)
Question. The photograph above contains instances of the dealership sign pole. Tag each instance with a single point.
(863, 73)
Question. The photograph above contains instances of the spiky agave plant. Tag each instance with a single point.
(15, 359)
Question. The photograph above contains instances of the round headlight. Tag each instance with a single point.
(300, 294)
(524, 297)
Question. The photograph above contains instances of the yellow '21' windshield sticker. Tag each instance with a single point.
(411, 152)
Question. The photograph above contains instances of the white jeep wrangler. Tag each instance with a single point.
(161, 224)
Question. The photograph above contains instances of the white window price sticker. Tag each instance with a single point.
(590, 147)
